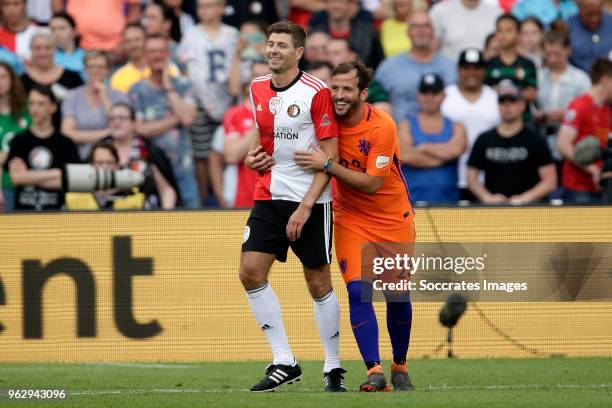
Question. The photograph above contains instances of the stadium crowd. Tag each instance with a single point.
(493, 99)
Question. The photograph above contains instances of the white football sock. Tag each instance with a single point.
(327, 315)
(267, 311)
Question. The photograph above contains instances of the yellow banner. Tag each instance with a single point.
(163, 286)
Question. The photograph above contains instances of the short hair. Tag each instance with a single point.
(320, 64)
(298, 35)
(46, 91)
(103, 144)
(601, 68)
(534, 20)
(136, 26)
(42, 32)
(560, 37)
(67, 17)
(364, 74)
(488, 40)
(508, 17)
(92, 54)
(127, 106)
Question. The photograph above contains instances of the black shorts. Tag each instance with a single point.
(266, 232)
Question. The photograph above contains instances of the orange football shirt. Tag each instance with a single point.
(372, 147)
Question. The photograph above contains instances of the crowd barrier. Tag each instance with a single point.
(163, 286)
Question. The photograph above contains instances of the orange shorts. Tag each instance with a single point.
(352, 247)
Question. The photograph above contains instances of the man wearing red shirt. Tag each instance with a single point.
(587, 115)
(238, 125)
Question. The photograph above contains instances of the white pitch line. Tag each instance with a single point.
(431, 387)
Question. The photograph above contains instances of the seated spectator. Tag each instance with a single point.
(338, 51)
(545, 11)
(491, 47)
(17, 29)
(516, 162)
(85, 109)
(559, 83)
(100, 24)
(38, 155)
(461, 24)
(587, 115)
(165, 109)
(400, 75)
(316, 48)
(238, 126)
(208, 49)
(322, 70)
(126, 150)
(14, 119)
(510, 64)
(590, 34)
(394, 30)
(531, 36)
(67, 54)
(158, 19)
(340, 21)
(186, 21)
(473, 104)
(430, 145)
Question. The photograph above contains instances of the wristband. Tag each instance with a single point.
(328, 164)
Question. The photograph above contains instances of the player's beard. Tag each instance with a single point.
(353, 105)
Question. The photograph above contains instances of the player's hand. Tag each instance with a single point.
(495, 199)
(312, 160)
(258, 160)
(297, 221)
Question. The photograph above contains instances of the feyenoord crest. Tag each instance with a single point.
(275, 104)
(293, 110)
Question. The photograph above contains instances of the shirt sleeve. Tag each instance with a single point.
(574, 115)
(382, 149)
(543, 156)
(477, 157)
(531, 75)
(323, 116)
(253, 106)
(69, 105)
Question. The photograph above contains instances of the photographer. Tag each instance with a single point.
(588, 115)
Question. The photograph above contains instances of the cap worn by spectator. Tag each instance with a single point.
(471, 56)
(506, 90)
(431, 83)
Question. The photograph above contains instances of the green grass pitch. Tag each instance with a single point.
(559, 382)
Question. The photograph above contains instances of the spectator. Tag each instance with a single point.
(38, 155)
(17, 29)
(186, 21)
(559, 84)
(461, 24)
(587, 115)
(491, 47)
(85, 109)
(545, 11)
(322, 70)
(136, 68)
(142, 155)
(430, 144)
(399, 76)
(338, 51)
(510, 64)
(394, 29)
(515, 161)
(100, 24)
(531, 40)
(14, 119)
(165, 109)
(316, 48)
(473, 104)
(67, 54)
(11, 59)
(158, 20)
(238, 126)
(608, 6)
(340, 21)
(251, 47)
(208, 49)
(237, 12)
(301, 11)
(590, 34)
